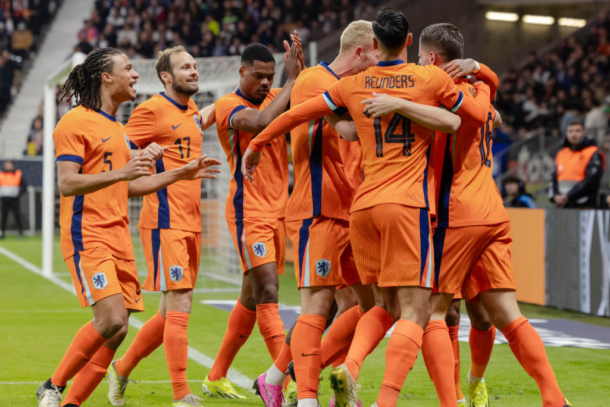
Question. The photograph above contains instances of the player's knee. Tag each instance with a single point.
(392, 309)
(111, 324)
(267, 293)
(249, 302)
(121, 334)
(481, 325)
(453, 317)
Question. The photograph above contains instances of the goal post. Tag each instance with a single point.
(218, 76)
(48, 165)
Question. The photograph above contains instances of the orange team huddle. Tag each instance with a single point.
(394, 218)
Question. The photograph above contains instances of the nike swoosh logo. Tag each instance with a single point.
(103, 141)
(175, 127)
(138, 300)
(309, 354)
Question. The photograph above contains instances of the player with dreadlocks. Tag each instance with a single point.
(93, 163)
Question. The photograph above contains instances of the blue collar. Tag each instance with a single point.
(173, 102)
(325, 65)
(107, 116)
(391, 63)
(254, 102)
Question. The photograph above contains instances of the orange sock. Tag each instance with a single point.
(176, 351)
(400, 356)
(272, 328)
(306, 353)
(527, 346)
(339, 361)
(370, 330)
(85, 344)
(481, 344)
(337, 341)
(89, 377)
(240, 326)
(149, 338)
(453, 334)
(440, 361)
(284, 358)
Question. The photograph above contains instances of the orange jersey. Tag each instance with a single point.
(267, 195)
(326, 167)
(395, 151)
(169, 124)
(98, 143)
(490, 78)
(466, 192)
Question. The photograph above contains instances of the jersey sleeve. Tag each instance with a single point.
(334, 98)
(490, 78)
(472, 111)
(226, 109)
(140, 127)
(69, 141)
(287, 121)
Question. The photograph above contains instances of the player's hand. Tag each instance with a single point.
(154, 151)
(561, 200)
(480, 84)
(460, 67)
(137, 167)
(201, 167)
(294, 57)
(249, 163)
(380, 105)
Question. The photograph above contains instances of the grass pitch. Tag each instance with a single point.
(39, 319)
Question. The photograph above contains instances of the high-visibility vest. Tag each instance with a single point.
(572, 166)
(9, 184)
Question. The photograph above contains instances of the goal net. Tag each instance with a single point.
(219, 267)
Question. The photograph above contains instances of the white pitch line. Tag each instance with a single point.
(233, 375)
(138, 381)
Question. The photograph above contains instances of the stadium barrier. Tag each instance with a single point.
(562, 258)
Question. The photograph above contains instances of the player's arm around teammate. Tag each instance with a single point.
(433, 118)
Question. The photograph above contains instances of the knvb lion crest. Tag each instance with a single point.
(176, 273)
(323, 267)
(260, 250)
(100, 281)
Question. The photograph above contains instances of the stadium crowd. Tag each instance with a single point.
(21, 23)
(211, 27)
(570, 82)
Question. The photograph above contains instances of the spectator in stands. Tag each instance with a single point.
(36, 135)
(5, 38)
(514, 193)
(22, 40)
(7, 70)
(83, 45)
(561, 86)
(216, 28)
(12, 185)
(579, 167)
(89, 32)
